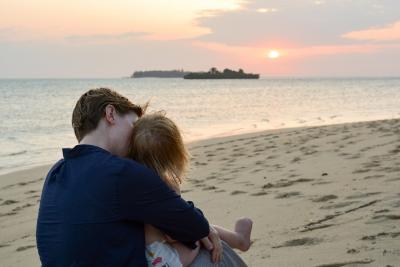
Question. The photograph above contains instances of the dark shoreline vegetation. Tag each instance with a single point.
(213, 73)
(159, 74)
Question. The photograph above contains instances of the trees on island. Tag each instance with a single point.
(214, 73)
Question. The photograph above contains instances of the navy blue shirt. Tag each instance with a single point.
(94, 206)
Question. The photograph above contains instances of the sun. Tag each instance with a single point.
(273, 54)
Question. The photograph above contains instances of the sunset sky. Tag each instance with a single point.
(104, 38)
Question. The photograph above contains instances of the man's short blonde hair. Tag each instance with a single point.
(90, 108)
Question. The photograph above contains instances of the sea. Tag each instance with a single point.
(36, 113)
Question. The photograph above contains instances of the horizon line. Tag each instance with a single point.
(261, 76)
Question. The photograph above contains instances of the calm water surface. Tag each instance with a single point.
(36, 114)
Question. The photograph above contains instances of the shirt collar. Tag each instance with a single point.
(80, 150)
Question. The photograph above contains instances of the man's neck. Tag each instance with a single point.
(95, 140)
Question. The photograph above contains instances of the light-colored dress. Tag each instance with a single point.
(229, 258)
(161, 254)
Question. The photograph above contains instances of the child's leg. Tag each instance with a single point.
(186, 255)
(240, 238)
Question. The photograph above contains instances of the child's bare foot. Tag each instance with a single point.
(243, 229)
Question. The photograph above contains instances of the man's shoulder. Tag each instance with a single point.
(132, 167)
(55, 167)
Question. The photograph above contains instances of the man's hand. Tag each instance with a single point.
(213, 243)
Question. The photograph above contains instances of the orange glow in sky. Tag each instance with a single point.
(159, 19)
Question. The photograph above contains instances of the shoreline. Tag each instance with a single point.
(249, 133)
(245, 131)
(318, 195)
(207, 138)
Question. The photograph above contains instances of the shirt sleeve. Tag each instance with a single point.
(144, 197)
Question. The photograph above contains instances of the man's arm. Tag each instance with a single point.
(144, 197)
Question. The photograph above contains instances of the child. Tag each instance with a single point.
(157, 143)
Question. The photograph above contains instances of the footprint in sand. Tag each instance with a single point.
(324, 198)
(347, 263)
(321, 183)
(382, 211)
(286, 183)
(338, 205)
(31, 191)
(261, 193)
(396, 150)
(24, 248)
(22, 207)
(305, 241)
(361, 171)
(381, 235)
(316, 227)
(237, 192)
(9, 202)
(7, 214)
(383, 218)
(287, 194)
(353, 251)
(209, 188)
(186, 191)
(363, 195)
(296, 159)
(373, 176)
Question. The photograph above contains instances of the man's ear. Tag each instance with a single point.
(110, 114)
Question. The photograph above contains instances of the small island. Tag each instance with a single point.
(213, 73)
(159, 74)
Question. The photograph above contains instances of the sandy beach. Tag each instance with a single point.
(318, 196)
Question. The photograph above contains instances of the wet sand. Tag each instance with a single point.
(318, 196)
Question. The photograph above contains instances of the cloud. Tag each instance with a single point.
(69, 20)
(236, 50)
(105, 37)
(301, 21)
(326, 50)
(387, 33)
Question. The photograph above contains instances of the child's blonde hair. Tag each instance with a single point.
(157, 143)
